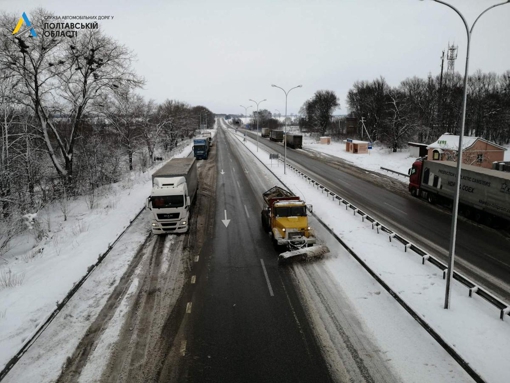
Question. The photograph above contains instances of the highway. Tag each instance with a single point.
(481, 252)
(247, 323)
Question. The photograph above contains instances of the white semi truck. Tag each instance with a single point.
(174, 188)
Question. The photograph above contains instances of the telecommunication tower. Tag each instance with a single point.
(452, 56)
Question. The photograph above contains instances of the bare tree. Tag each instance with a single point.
(61, 76)
(399, 125)
(123, 113)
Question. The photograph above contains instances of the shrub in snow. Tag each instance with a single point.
(10, 279)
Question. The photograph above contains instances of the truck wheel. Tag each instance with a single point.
(414, 192)
(431, 199)
(263, 221)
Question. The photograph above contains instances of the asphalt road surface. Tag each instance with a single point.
(481, 252)
(247, 323)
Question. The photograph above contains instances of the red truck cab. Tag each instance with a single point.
(415, 177)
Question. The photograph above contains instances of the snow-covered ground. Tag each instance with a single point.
(471, 326)
(35, 275)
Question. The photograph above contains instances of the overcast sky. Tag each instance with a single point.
(221, 53)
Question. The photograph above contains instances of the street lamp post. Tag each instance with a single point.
(455, 208)
(258, 120)
(285, 129)
(246, 109)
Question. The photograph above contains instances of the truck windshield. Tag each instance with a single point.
(168, 201)
(291, 211)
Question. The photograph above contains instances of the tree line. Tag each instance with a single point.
(418, 109)
(71, 119)
(423, 109)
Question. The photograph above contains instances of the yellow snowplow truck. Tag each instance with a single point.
(285, 218)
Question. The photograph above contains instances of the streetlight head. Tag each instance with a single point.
(273, 85)
(300, 86)
(266, 99)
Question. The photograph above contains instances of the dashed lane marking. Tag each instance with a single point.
(193, 279)
(393, 207)
(183, 348)
(267, 278)
(188, 308)
(246, 210)
(197, 258)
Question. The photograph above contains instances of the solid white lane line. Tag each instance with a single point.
(267, 278)
(188, 308)
(393, 207)
(246, 209)
(496, 260)
(193, 279)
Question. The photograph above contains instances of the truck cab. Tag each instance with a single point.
(285, 217)
(201, 148)
(169, 203)
(415, 177)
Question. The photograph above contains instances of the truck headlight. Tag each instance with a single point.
(283, 230)
(308, 227)
(154, 225)
(183, 223)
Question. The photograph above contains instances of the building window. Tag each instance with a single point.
(479, 158)
(435, 155)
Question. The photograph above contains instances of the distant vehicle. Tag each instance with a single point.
(285, 217)
(174, 188)
(294, 141)
(201, 148)
(276, 135)
(264, 132)
(484, 193)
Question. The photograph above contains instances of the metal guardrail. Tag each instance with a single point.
(504, 308)
(394, 171)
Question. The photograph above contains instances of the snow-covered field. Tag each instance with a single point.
(471, 327)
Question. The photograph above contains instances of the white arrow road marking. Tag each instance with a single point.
(222, 172)
(225, 221)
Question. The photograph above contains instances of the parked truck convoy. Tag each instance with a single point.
(264, 132)
(201, 148)
(294, 141)
(284, 216)
(174, 188)
(276, 135)
(484, 193)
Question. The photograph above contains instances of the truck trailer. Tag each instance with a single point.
(294, 141)
(209, 137)
(201, 148)
(484, 193)
(264, 132)
(174, 188)
(284, 216)
(276, 135)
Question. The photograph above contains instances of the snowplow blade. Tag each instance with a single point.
(304, 254)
